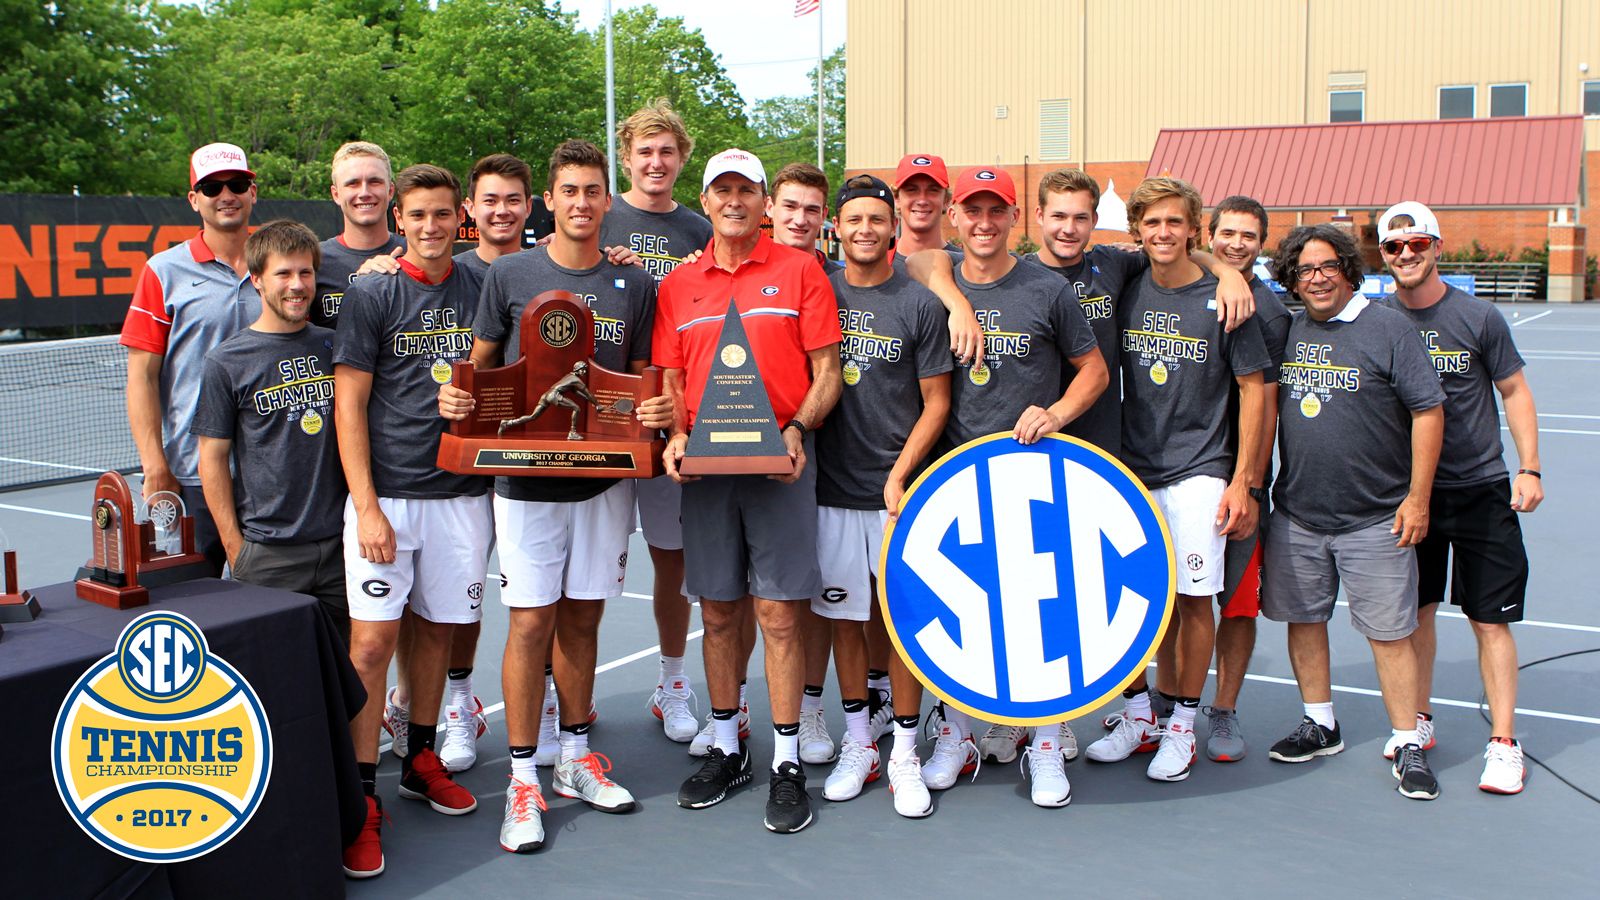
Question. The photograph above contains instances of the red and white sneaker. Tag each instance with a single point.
(672, 703)
(364, 857)
(426, 779)
(1503, 768)
(396, 721)
(462, 726)
(1128, 737)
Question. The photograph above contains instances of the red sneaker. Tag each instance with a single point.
(364, 857)
(428, 780)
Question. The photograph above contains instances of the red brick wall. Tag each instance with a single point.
(1508, 230)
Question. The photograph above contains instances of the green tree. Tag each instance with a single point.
(659, 57)
(786, 127)
(491, 76)
(287, 88)
(401, 18)
(69, 68)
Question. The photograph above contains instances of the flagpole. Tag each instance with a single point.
(611, 106)
(819, 88)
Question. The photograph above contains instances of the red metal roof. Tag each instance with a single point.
(1509, 162)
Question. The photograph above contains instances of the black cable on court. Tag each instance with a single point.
(1483, 710)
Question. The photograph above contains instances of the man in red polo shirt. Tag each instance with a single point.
(754, 538)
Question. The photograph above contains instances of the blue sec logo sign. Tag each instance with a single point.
(1027, 584)
(161, 750)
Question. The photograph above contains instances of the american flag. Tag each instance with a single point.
(806, 7)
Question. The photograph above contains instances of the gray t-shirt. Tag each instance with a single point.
(1346, 391)
(1471, 348)
(662, 240)
(894, 335)
(1100, 278)
(1177, 367)
(623, 299)
(407, 334)
(338, 269)
(1032, 325)
(272, 396)
(473, 265)
(1273, 317)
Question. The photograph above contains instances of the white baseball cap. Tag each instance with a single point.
(1423, 221)
(213, 159)
(741, 162)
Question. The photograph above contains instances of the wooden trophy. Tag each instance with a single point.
(554, 411)
(16, 604)
(735, 431)
(131, 556)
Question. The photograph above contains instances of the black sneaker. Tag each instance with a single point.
(1308, 742)
(1416, 779)
(788, 807)
(718, 775)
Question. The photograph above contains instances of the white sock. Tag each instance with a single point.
(524, 770)
(672, 667)
(881, 685)
(460, 690)
(1321, 713)
(744, 704)
(574, 745)
(785, 748)
(550, 698)
(905, 741)
(727, 734)
(808, 703)
(855, 724)
(1138, 707)
(1409, 736)
(1043, 734)
(1183, 715)
(960, 722)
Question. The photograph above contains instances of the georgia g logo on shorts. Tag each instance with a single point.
(161, 750)
(1027, 585)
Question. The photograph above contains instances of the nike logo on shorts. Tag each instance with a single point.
(1508, 608)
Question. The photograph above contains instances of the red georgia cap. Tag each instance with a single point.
(921, 164)
(984, 178)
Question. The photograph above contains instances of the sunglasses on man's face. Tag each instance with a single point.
(239, 186)
(1417, 245)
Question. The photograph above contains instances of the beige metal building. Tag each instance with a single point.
(1037, 84)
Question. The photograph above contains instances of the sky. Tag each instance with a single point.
(764, 48)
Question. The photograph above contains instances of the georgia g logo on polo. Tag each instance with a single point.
(161, 750)
(1027, 584)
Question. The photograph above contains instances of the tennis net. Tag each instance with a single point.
(62, 411)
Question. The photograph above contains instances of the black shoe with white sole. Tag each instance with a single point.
(719, 774)
(1308, 742)
(788, 807)
(1411, 770)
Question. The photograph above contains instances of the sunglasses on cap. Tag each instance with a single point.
(239, 185)
(1417, 245)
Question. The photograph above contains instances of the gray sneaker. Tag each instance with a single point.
(1226, 743)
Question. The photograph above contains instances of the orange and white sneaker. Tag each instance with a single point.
(364, 857)
(1503, 768)
(585, 779)
(426, 779)
(522, 829)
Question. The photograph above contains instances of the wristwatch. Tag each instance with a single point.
(1260, 494)
(796, 423)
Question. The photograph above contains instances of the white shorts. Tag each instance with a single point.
(849, 542)
(661, 512)
(1198, 548)
(441, 552)
(554, 550)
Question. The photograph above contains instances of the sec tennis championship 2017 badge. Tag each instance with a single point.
(1027, 584)
(162, 750)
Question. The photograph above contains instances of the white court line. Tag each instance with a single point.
(1516, 322)
(1545, 415)
(35, 462)
(44, 512)
(1556, 430)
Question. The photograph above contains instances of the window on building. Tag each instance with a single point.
(1347, 106)
(1458, 101)
(1508, 100)
(1055, 129)
(1591, 98)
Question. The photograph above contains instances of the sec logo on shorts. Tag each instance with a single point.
(1027, 584)
(161, 750)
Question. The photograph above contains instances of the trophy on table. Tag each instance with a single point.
(16, 604)
(734, 430)
(136, 546)
(554, 411)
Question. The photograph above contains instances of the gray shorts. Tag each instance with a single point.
(1303, 569)
(316, 568)
(750, 535)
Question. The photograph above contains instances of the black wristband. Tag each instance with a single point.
(796, 423)
(1533, 472)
